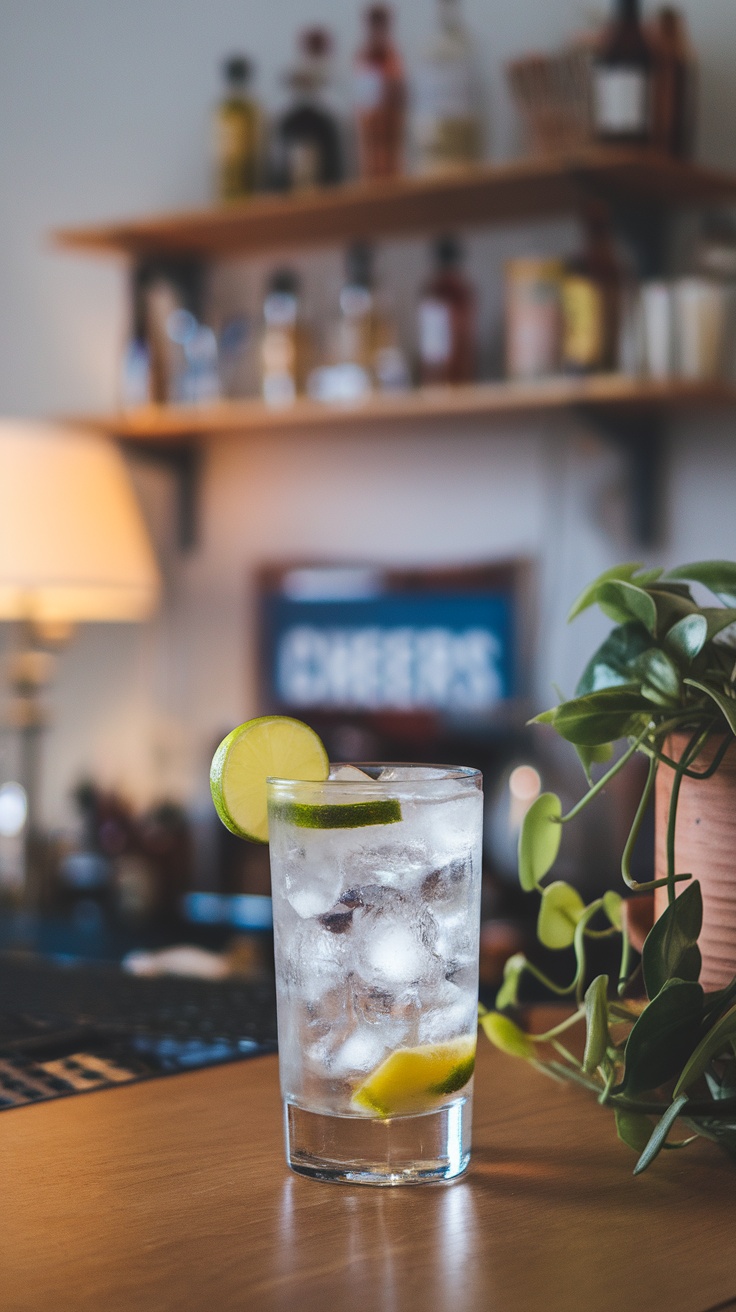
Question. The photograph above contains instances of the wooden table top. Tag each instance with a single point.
(174, 1195)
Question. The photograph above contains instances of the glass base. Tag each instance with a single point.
(426, 1149)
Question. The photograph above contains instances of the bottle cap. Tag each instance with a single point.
(316, 41)
(378, 16)
(448, 251)
(284, 281)
(237, 68)
(359, 264)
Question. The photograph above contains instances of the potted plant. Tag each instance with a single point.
(664, 684)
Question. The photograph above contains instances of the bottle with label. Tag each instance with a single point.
(591, 294)
(675, 78)
(447, 320)
(446, 120)
(622, 80)
(379, 96)
(307, 149)
(365, 354)
(236, 134)
(533, 317)
(284, 342)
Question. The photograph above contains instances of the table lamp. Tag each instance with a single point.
(73, 549)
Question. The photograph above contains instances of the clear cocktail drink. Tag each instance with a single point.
(376, 901)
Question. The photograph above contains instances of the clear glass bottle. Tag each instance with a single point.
(446, 119)
(379, 94)
(284, 343)
(622, 80)
(236, 130)
(307, 146)
(447, 320)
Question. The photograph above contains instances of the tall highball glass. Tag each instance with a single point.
(376, 903)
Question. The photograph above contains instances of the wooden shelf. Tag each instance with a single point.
(487, 194)
(608, 394)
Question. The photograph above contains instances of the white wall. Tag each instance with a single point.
(104, 112)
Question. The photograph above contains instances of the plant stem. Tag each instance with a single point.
(691, 751)
(610, 1079)
(562, 992)
(700, 774)
(558, 1029)
(623, 974)
(636, 826)
(600, 785)
(560, 1047)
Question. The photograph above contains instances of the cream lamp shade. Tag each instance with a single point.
(73, 544)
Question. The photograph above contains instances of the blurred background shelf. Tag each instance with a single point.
(608, 395)
(486, 194)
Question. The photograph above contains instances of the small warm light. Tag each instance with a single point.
(525, 784)
(73, 544)
(13, 810)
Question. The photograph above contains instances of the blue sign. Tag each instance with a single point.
(395, 651)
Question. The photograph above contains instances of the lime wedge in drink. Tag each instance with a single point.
(414, 1080)
(273, 746)
(350, 815)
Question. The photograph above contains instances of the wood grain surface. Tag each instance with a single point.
(173, 1196)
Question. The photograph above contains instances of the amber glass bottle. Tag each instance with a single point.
(447, 321)
(307, 148)
(591, 295)
(379, 94)
(622, 80)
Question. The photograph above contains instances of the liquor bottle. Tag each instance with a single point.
(356, 328)
(236, 133)
(379, 93)
(675, 78)
(447, 326)
(284, 341)
(622, 80)
(446, 120)
(591, 297)
(307, 150)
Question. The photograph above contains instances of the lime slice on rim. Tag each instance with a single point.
(415, 1080)
(273, 746)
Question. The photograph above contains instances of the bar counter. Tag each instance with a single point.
(173, 1196)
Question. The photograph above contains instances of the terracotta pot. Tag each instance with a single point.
(705, 845)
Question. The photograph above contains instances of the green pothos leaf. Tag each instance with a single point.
(613, 905)
(659, 1136)
(622, 602)
(660, 677)
(602, 717)
(508, 994)
(589, 756)
(714, 1042)
(717, 575)
(589, 595)
(507, 1036)
(597, 1036)
(671, 948)
(725, 704)
(559, 912)
(614, 664)
(539, 840)
(633, 1129)
(718, 619)
(686, 639)
(663, 1037)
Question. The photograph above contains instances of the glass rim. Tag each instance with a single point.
(452, 777)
